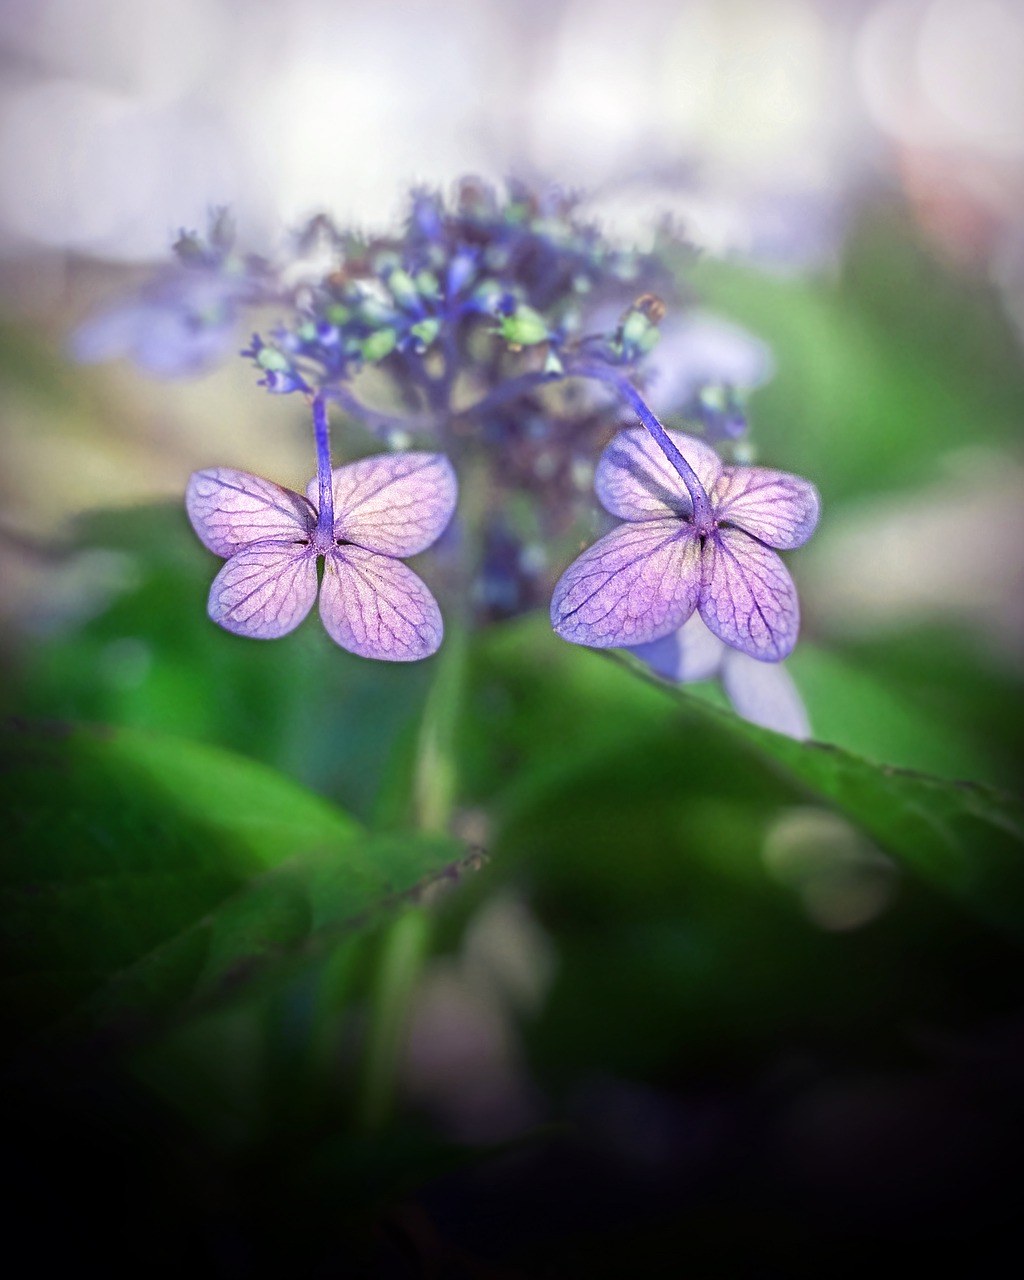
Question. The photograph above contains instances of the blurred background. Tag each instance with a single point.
(769, 135)
(738, 998)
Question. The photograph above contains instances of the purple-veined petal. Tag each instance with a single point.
(377, 607)
(780, 509)
(692, 653)
(764, 693)
(265, 590)
(635, 481)
(635, 584)
(394, 503)
(747, 596)
(232, 509)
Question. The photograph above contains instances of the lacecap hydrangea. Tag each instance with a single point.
(499, 342)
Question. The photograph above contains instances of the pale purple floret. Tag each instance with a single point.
(370, 603)
(180, 326)
(702, 350)
(761, 692)
(643, 580)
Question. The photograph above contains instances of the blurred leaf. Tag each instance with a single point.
(881, 370)
(143, 873)
(576, 703)
(927, 715)
(656, 835)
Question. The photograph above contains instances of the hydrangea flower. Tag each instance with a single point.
(704, 367)
(762, 692)
(361, 520)
(177, 328)
(183, 321)
(698, 536)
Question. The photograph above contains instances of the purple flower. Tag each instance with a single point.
(761, 692)
(644, 579)
(384, 507)
(180, 326)
(702, 367)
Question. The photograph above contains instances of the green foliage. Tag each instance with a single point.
(209, 879)
(144, 875)
(712, 885)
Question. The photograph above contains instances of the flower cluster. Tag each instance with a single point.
(509, 340)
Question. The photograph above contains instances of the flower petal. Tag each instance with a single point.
(394, 503)
(377, 607)
(747, 596)
(635, 481)
(265, 590)
(692, 653)
(635, 584)
(780, 509)
(232, 509)
(764, 693)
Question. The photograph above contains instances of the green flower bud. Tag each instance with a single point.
(524, 328)
(634, 329)
(378, 345)
(271, 359)
(426, 330)
(403, 290)
(650, 339)
(553, 364)
(426, 283)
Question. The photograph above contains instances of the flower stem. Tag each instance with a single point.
(322, 436)
(400, 962)
(703, 514)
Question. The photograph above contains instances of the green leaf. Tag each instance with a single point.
(711, 889)
(549, 707)
(143, 874)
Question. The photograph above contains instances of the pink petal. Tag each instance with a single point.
(232, 509)
(764, 693)
(690, 654)
(635, 481)
(635, 584)
(747, 596)
(265, 590)
(377, 607)
(780, 509)
(394, 503)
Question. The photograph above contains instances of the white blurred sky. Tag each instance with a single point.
(122, 120)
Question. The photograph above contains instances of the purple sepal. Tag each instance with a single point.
(764, 693)
(265, 590)
(635, 584)
(232, 509)
(690, 654)
(747, 597)
(394, 503)
(377, 607)
(761, 692)
(776, 507)
(635, 481)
